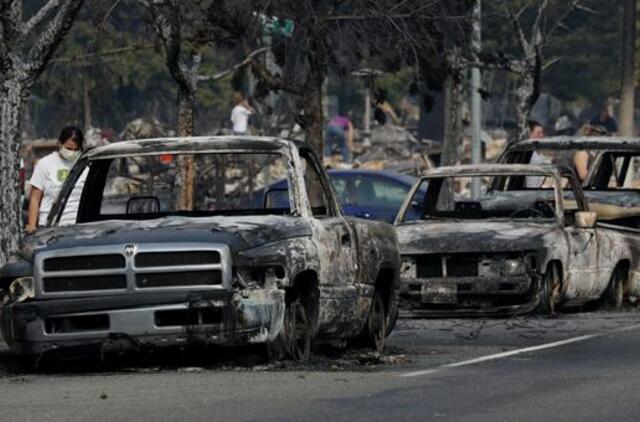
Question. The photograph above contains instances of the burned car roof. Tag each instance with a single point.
(577, 142)
(497, 169)
(192, 144)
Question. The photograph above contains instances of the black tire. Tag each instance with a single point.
(294, 342)
(375, 331)
(613, 297)
(549, 291)
(392, 319)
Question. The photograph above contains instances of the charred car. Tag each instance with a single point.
(509, 248)
(170, 247)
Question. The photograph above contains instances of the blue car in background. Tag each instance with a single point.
(370, 194)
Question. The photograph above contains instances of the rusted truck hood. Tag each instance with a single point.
(239, 233)
(475, 236)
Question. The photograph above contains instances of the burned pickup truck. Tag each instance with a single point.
(511, 249)
(176, 242)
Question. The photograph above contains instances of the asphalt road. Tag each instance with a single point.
(575, 367)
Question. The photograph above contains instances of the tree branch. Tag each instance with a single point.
(104, 53)
(224, 73)
(11, 18)
(515, 21)
(575, 4)
(40, 15)
(51, 37)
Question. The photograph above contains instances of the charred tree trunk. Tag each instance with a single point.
(627, 94)
(20, 66)
(453, 99)
(528, 92)
(312, 95)
(12, 99)
(167, 16)
(88, 123)
(185, 125)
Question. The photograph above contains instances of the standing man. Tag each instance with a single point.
(240, 114)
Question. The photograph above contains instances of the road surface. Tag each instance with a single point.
(575, 367)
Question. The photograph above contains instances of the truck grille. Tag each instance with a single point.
(89, 262)
(453, 265)
(81, 284)
(170, 259)
(460, 265)
(193, 278)
(108, 269)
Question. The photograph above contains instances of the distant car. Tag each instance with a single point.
(370, 194)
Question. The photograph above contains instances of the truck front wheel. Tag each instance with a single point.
(294, 341)
(549, 291)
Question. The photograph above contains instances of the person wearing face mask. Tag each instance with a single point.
(48, 176)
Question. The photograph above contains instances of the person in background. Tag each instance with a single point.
(48, 176)
(536, 131)
(582, 159)
(605, 120)
(339, 136)
(240, 114)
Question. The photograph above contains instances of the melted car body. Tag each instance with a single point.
(171, 247)
(513, 248)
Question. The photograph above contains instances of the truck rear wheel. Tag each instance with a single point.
(613, 297)
(375, 331)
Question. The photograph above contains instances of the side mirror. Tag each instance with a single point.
(586, 219)
(275, 198)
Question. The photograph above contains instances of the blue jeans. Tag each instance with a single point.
(335, 140)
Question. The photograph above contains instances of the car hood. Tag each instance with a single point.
(476, 236)
(623, 198)
(239, 233)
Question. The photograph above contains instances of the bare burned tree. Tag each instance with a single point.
(179, 23)
(26, 47)
(529, 65)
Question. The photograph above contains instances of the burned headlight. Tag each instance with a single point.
(21, 289)
(514, 267)
(408, 269)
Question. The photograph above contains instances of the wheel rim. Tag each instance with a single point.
(297, 332)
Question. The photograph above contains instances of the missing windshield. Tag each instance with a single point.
(154, 186)
(503, 197)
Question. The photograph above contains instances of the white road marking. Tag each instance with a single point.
(517, 352)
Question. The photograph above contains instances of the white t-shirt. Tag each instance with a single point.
(240, 119)
(536, 181)
(49, 175)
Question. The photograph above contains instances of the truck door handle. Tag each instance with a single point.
(345, 239)
(364, 215)
(586, 244)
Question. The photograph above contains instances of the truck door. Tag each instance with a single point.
(335, 242)
(584, 270)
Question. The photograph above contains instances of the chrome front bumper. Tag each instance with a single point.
(39, 326)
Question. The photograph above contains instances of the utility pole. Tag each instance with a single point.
(627, 94)
(476, 105)
(628, 86)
